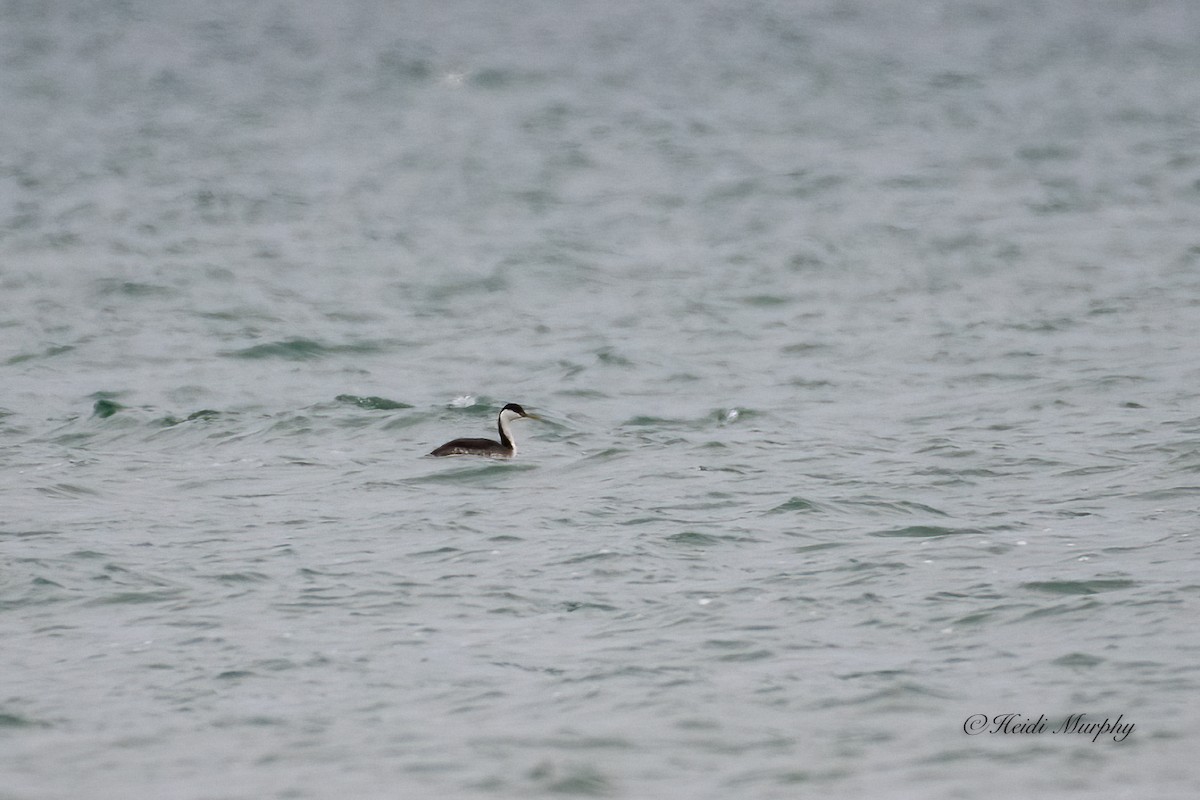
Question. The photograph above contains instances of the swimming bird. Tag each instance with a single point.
(505, 448)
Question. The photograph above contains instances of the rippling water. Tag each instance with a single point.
(864, 336)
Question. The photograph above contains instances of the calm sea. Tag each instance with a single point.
(865, 337)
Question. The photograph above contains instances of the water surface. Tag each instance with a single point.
(863, 334)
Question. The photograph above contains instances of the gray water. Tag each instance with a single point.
(864, 336)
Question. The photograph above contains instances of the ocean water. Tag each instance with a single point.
(864, 336)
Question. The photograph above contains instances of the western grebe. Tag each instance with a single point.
(505, 448)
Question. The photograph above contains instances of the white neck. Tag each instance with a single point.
(506, 417)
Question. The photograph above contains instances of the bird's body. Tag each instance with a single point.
(505, 448)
